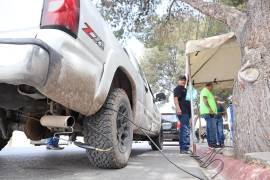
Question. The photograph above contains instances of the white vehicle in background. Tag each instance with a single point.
(63, 71)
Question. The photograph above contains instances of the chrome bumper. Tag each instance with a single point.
(24, 61)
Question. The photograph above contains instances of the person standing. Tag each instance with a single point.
(208, 110)
(219, 123)
(183, 111)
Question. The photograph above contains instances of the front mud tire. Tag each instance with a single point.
(109, 129)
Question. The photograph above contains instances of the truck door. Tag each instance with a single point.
(149, 106)
(151, 110)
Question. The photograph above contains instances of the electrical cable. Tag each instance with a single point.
(210, 159)
(85, 146)
(220, 169)
(143, 131)
(209, 156)
(82, 145)
(203, 163)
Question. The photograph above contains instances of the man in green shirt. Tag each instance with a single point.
(208, 110)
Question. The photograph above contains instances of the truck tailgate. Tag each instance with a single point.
(20, 18)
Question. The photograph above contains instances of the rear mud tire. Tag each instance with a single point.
(3, 142)
(109, 129)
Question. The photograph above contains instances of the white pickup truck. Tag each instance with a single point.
(62, 70)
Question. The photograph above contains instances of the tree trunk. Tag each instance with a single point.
(252, 97)
(252, 88)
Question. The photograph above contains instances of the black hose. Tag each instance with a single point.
(210, 159)
(143, 131)
(220, 169)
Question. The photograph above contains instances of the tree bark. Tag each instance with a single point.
(252, 99)
(252, 87)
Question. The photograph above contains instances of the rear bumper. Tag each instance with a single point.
(25, 61)
(63, 72)
(172, 135)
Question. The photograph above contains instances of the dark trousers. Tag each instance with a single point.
(184, 133)
(211, 129)
(220, 133)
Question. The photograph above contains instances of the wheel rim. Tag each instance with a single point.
(123, 129)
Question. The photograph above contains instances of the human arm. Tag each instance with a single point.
(177, 94)
(176, 103)
(207, 105)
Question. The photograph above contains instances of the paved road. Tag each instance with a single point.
(71, 163)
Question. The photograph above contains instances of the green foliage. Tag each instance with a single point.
(164, 37)
(140, 19)
(239, 4)
(162, 66)
(127, 17)
(214, 27)
(223, 94)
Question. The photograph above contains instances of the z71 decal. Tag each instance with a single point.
(91, 33)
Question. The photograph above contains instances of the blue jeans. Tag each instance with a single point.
(220, 133)
(211, 129)
(184, 133)
(53, 141)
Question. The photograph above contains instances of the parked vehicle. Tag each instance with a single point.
(62, 70)
(171, 126)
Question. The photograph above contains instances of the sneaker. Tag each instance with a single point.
(214, 146)
(52, 147)
(221, 146)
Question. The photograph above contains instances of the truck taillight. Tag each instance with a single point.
(61, 14)
(178, 125)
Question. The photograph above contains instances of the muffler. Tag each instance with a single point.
(51, 121)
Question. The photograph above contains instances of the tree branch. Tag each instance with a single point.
(170, 11)
(234, 18)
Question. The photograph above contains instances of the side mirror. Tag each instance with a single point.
(160, 97)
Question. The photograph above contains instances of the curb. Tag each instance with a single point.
(235, 169)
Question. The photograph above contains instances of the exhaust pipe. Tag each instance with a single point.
(57, 121)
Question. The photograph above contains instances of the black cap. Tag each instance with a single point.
(182, 77)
